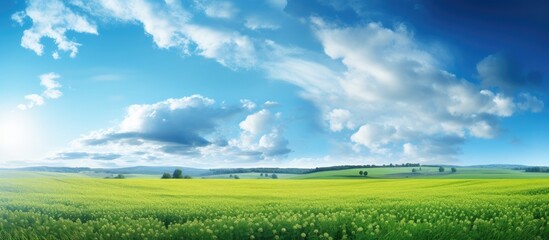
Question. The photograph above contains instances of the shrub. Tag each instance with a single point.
(236, 177)
(119, 176)
(166, 175)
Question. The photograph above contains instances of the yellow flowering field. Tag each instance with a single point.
(89, 208)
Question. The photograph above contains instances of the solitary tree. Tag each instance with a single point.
(166, 175)
(230, 176)
(177, 173)
(454, 170)
(360, 172)
(414, 170)
(236, 177)
(261, 175)
(441, 169)
(274, 176)
(365, 173)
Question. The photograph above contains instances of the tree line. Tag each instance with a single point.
(537, 169)
(177, 173)
(304, 170)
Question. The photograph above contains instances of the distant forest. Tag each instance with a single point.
(535, 169)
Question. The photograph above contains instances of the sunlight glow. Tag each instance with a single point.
(15, 133)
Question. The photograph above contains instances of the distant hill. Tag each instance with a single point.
(155, 170)
(504, 166)
(54, 169)
(152, 170)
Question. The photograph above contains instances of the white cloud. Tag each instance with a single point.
(52, 86)
(167, 22)
(339, 119)
(19, 17)
(228, 48)
(180, 120)
(482, 130)
(528, 102)
(269, 104)
(257, 23)
(34, 100)
(191, 130)
(501, 106)
(248, 104)
(52, 91)
(387, 83)
(409, 150)
(258, 122)
(217, 9)
(51, 19)
(261, 135)
(374, 136)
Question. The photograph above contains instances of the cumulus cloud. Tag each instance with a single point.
(258, 122)
(52, 91)
(391, 91)
(374, 136)
(261, 135)
(187, 129)
(184, 121)
(340, 119)
(52, 19)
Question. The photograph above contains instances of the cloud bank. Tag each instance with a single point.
(392, 97)
(188, 130)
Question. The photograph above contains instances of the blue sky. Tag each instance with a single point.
(272, 83)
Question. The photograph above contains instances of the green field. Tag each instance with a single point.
(76, 206)
(253, 175)
(426, 172)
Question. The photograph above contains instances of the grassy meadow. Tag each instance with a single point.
(36, 205)
(425, 172)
